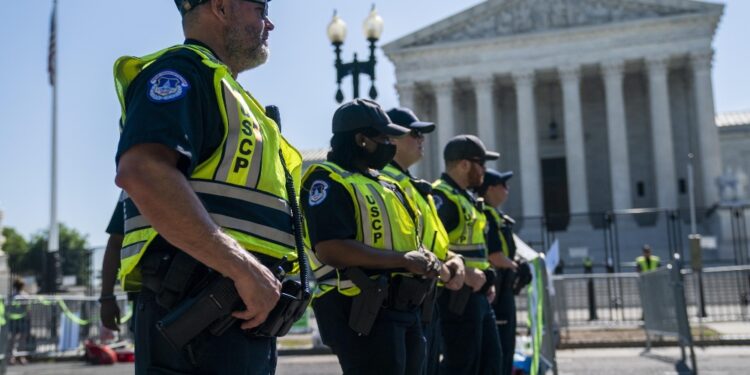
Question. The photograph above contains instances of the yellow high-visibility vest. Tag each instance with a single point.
(434, 236)
(467, 238)
(499, 221)
(648, 266)
(382, 222)
(242, 185)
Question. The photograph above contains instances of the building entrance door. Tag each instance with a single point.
(555, 192)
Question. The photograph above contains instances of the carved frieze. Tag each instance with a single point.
(511, 17)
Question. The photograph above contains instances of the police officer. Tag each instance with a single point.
(367, 256)
(409, 151)
(647, 262)
(204, 172)
(502, 251)
(471, 341)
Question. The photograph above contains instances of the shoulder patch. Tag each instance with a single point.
(438, 201)
(167, 86)
(318, 192)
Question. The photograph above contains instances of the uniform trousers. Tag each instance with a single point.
(505, 314)
(395, 345)
(470, 342)
(433, 338)
(232, 353)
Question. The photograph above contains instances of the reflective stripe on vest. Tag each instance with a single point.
(242, 184)
(434, 236)
(382, 221)
(467, 239)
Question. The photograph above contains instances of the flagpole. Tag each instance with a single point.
(53, 245)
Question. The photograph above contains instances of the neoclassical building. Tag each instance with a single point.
(596, 104)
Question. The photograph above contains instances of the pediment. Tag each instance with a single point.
(500, 18)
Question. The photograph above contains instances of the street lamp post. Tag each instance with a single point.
(373, 29)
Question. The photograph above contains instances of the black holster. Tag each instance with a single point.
(458, 299)
(407, 293)
(504, 279)
(289, 309)
(171, 275)
(211, 300)
(366, 305)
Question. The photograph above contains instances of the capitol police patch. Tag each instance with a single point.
(318, 192)
(167, 86)
(438, 201)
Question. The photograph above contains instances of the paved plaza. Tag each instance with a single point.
(661, 361)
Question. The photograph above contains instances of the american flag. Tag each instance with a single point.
(51, 54)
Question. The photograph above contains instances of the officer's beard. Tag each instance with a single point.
(476, 177)
(243, 55)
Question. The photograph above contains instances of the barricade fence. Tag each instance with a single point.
(665, 309)
(615, 299)
(49, 326)
(613, 239)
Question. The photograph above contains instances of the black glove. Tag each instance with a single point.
(523, 277)
(489, 275)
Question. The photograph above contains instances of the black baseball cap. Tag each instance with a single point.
(467, 146)
(493, 177)
(406, 118)
(362, 114)
(185, 6)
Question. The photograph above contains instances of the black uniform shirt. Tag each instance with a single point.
(116, 223)
(173, 102)
(494, 243)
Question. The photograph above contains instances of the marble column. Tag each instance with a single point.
(708, 134)
(527, 142)
(617, 137)
(445, 121)
(570, 76)
(661, 133)
(407, 98)
(484, 87)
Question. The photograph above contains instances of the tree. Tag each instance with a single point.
(74, 254)
(15, 247)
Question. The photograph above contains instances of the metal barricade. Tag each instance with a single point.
(665, 308)
(726, 293)
(52, 326)
(597, 299)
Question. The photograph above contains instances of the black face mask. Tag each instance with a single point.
(382, 155)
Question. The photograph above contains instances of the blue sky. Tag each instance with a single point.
(299, 78)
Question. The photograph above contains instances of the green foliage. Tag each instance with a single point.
(74, 254)
(15, 246)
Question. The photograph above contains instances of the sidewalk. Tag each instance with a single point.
(629, 361)
(730, 330)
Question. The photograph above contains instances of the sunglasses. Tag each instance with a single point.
(416, 134)
(480, 162)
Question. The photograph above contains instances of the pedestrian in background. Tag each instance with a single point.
(647, 262)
